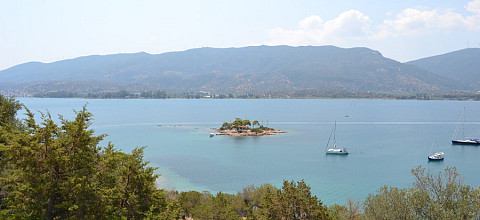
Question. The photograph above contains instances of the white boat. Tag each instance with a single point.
(464, 140)
(212, 134)
(337, 151)
(436, 155)
(471, 141)
(334, 149)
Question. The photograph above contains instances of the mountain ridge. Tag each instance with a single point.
(461, 65)
(241, 70)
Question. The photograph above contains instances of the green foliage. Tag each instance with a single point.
(254, 199)
(257, 130)
(245, 122)
(338, 212)
(188, 201)
(154, 94)
(55, 171)
(206, 206)
(8, 124)
(8, 112)
(255, 123)
(352, 210)
(293, 201)
(234, 70)
(460, 65)
(58, 171)
(236, 123)
(226, 126)
(57, 94)
(441, 196)
(265, 128)
(389, 203)
(298, 94)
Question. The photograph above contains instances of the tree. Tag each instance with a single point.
(222, 207)
(444, 195)
(122, 94)
(8, 112)
(293, 201)
(246, 122)
(188, 201)
(52, 166)
(128, 187)
(237, 122)
(160, 94)
(226, 126)
(59, 172)
(441, 196)
(255, 123)
(254, 199)
(389, 203)
(8, 124)
(352, 210)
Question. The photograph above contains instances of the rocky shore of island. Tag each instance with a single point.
(247, 132)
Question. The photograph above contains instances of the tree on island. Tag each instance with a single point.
(255, 123)
(244, 125)
(246, 122)
(238, 122)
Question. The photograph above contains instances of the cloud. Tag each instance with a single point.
(417, 22)
(474, 7)
(354, 25)
(314, 30)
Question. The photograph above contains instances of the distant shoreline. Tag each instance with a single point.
(297, 94)
(277, 98)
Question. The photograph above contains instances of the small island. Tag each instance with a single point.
(241, 127)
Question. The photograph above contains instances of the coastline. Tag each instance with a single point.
(247, 132)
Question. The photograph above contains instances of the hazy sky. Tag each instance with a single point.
(51, 30)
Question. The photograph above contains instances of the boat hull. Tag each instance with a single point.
(466, 142)
(337, 151)
(435, 159)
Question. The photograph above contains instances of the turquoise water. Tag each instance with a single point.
(386, 138)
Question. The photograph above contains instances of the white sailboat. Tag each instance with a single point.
(463, 140)
(335, 150)
(436, 155)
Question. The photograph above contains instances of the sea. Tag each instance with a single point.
(386, 140)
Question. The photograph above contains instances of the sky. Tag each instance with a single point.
(52, 30)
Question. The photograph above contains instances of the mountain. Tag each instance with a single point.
(236, 70)
(462, 65)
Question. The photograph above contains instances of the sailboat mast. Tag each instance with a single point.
(454, 137)
(329, 138)
(334, 135)
(434, 141)
(334, 130)
(463, 124)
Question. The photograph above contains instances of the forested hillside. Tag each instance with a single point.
(462, 65)
(244, 70)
